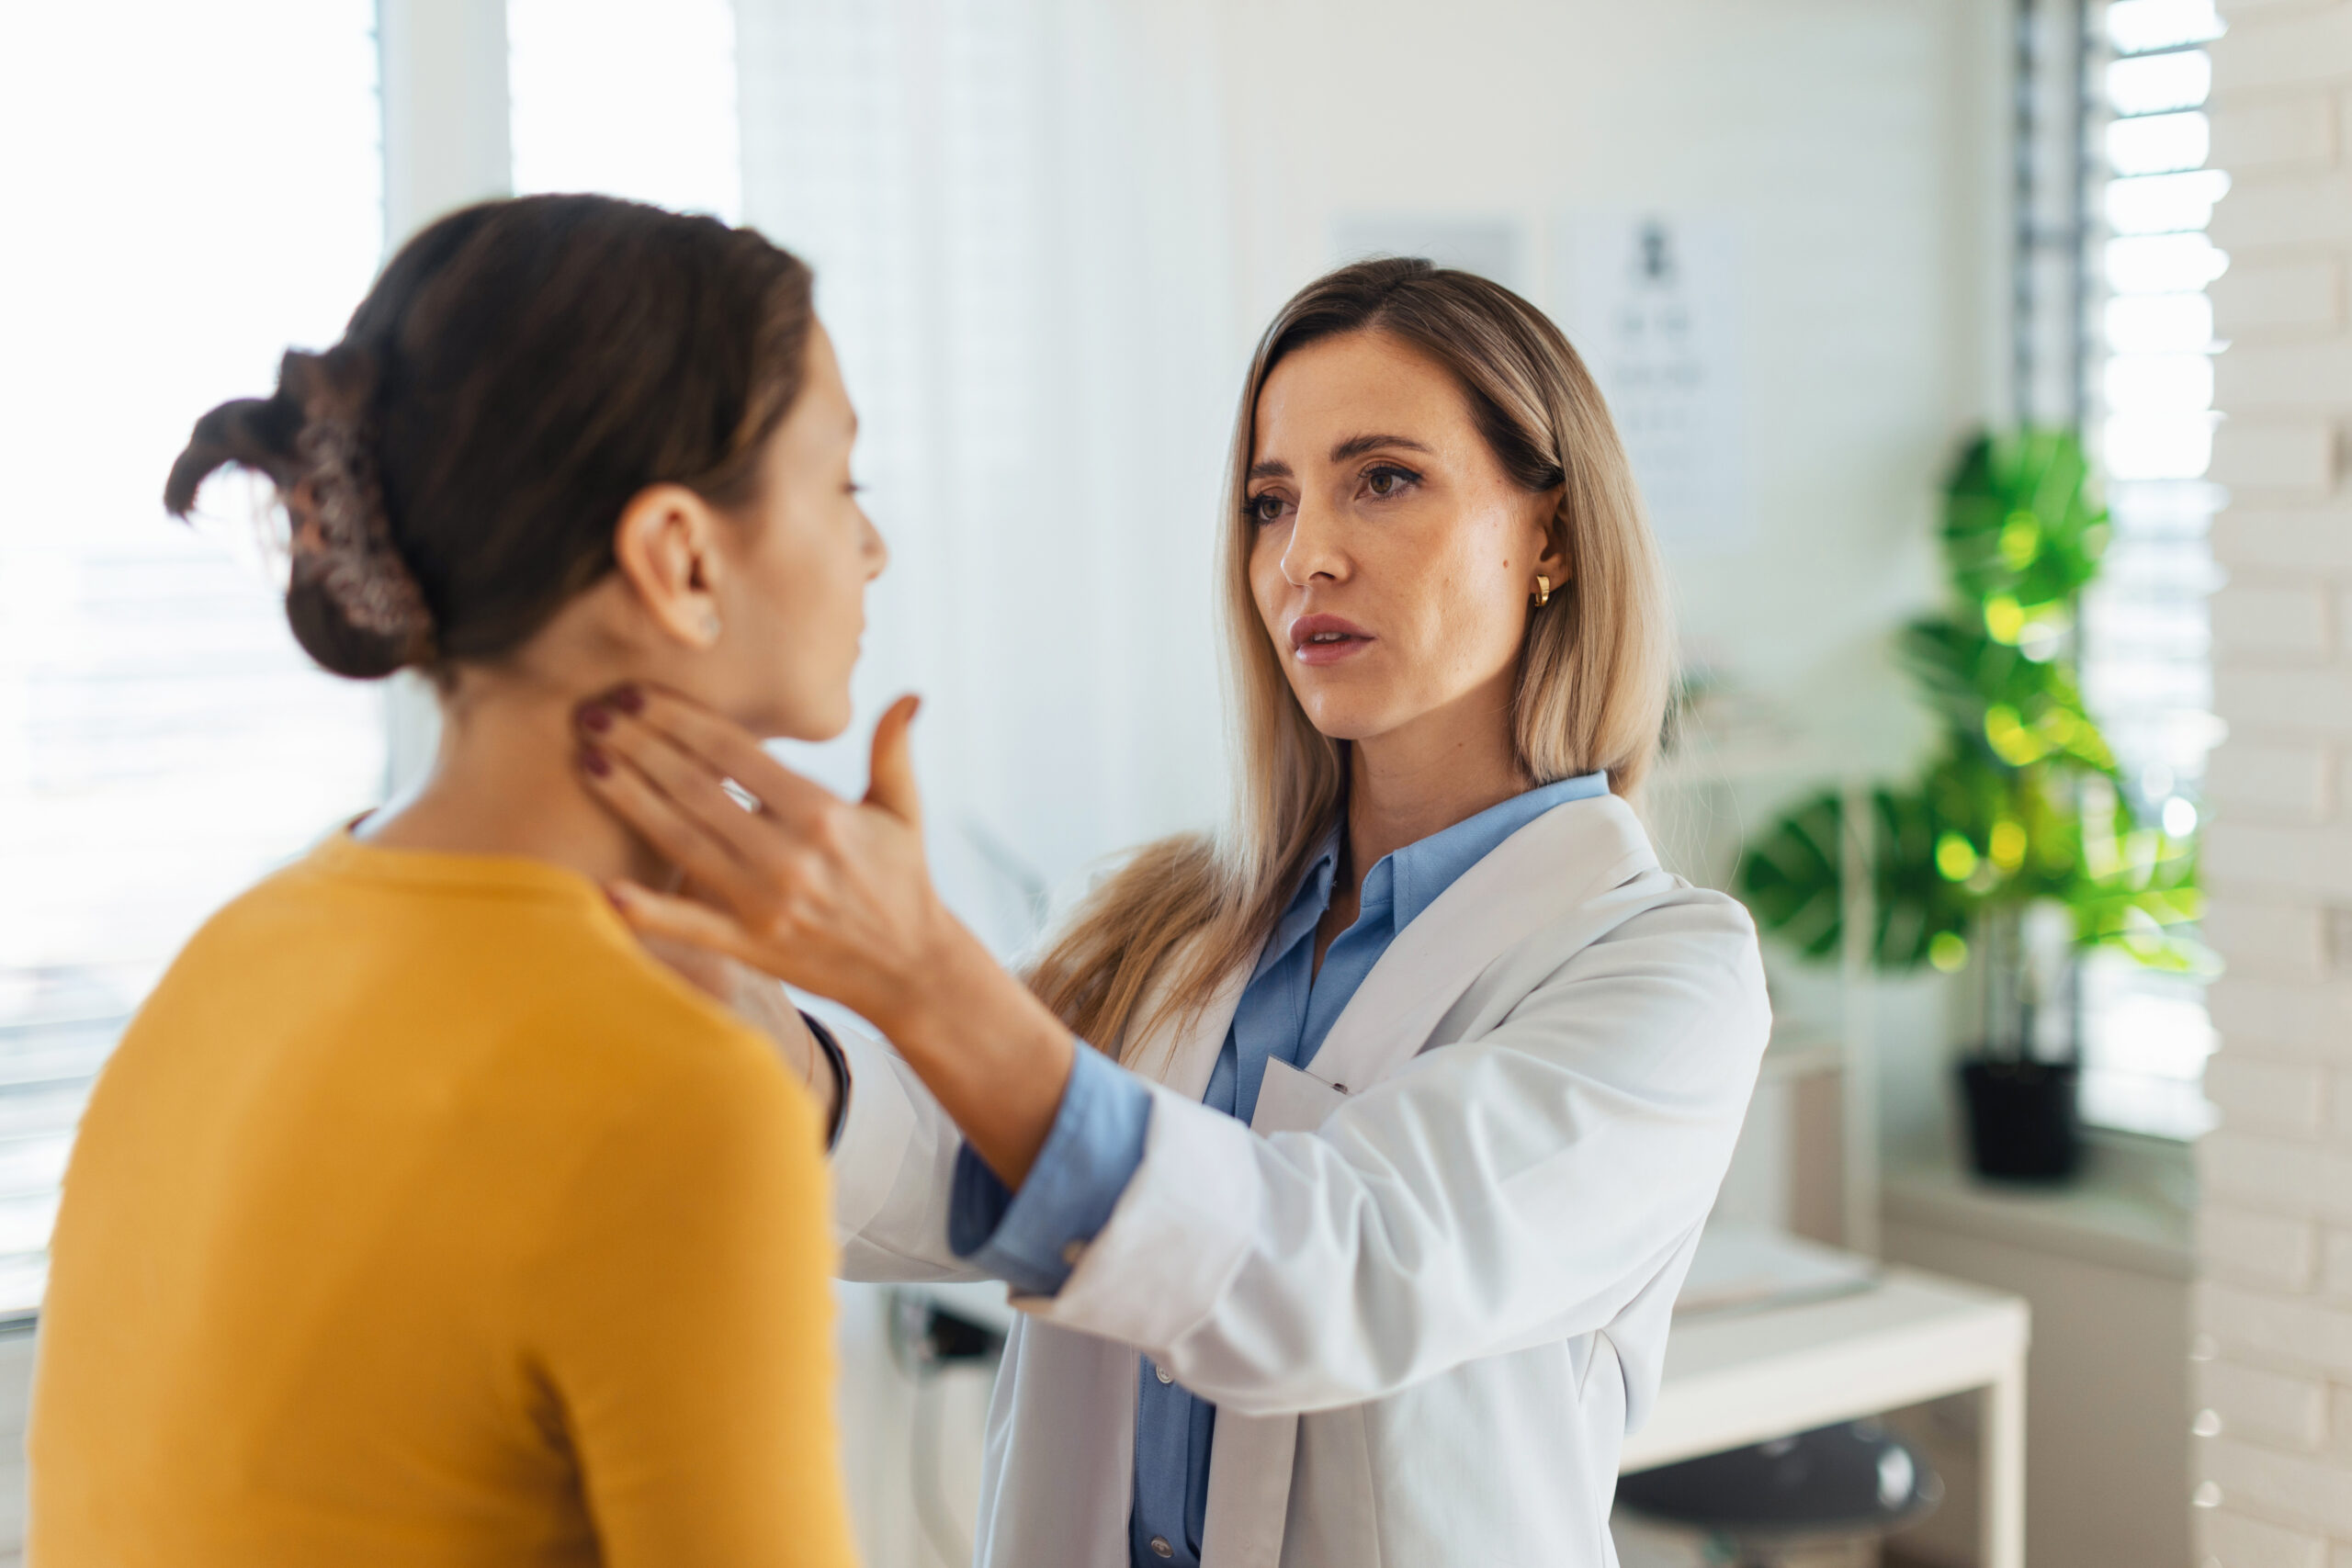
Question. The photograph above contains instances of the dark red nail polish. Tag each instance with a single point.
(629, 699)
(596, 719)
(596, 761)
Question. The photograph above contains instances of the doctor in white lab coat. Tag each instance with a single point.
(1357, 1239)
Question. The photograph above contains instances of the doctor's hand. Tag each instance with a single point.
(833, 896)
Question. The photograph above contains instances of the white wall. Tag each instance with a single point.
(2275, 1306)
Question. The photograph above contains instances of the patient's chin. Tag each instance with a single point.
(782, 719)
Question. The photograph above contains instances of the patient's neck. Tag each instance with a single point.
(506, 782)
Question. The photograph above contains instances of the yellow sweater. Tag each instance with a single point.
(421, 1219)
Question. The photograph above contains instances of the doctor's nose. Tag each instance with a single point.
(1313, 550)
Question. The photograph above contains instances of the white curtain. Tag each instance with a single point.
(1016, 213)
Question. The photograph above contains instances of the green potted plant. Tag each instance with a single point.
(2021, 804)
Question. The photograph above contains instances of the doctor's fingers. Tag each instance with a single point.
(613, 776)
(726, 749)
(765, 839)
(777, 878)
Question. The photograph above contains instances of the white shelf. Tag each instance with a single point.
(2102, 1218)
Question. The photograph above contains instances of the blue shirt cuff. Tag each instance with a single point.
(1029, 1239)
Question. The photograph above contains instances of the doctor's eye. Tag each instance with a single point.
(1264, 508)
(1387, 481)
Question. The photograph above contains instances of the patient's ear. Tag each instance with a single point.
(666, 546)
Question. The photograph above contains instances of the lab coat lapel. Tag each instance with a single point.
(1538, 876)
(1250, 1468)
(1182, 1054)
(1250, 1471)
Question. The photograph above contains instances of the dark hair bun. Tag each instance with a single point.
(453, 468)
(353, 602)
(340, 647)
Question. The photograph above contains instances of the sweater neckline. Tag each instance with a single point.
(342, 853)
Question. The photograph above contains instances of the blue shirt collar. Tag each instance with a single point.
(1427, 868)
(1400, 885)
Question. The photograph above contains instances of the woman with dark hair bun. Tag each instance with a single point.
(421, 1217)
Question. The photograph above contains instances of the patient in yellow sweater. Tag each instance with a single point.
(421, 1217)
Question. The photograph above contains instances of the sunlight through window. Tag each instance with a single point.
(162, 742)
(2146, 653)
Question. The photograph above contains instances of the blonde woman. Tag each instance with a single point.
(1345, 1165)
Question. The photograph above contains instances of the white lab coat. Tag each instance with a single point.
(1427, 1288)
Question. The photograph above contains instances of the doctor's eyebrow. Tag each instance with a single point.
(1357, 446)
(1353, 446)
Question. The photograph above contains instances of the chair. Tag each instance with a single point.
(1848, 1481)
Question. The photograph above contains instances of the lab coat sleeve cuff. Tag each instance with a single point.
(1177, 1238)
(878, 1124)
(1029, 1239)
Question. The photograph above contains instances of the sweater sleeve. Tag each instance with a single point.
(685, 1317)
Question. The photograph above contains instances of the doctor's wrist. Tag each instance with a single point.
(994, 1057)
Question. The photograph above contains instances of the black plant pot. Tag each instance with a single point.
(2021, 1123)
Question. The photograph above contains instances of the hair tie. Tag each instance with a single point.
(342, 536)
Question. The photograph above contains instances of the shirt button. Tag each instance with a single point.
(1161, 1373)
(1159, 1547)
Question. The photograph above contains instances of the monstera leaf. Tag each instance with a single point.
(1793, 878)
(2019, 709)
(2023, 531)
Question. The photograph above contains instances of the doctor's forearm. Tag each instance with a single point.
(989, 1051)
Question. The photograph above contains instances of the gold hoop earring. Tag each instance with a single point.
(1542, 591)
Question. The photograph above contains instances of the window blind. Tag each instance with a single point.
(2146, 643)
(162, 742)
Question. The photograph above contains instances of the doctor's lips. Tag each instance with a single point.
(1327, 640)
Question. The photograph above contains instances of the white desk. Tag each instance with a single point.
(1743, 1376)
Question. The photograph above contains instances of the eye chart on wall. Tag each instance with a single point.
(1651, 300)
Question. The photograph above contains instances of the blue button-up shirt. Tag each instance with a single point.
(1097, 1139)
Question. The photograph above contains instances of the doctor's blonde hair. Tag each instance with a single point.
(1153, 942)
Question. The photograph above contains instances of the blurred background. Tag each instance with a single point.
(1867, 283)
